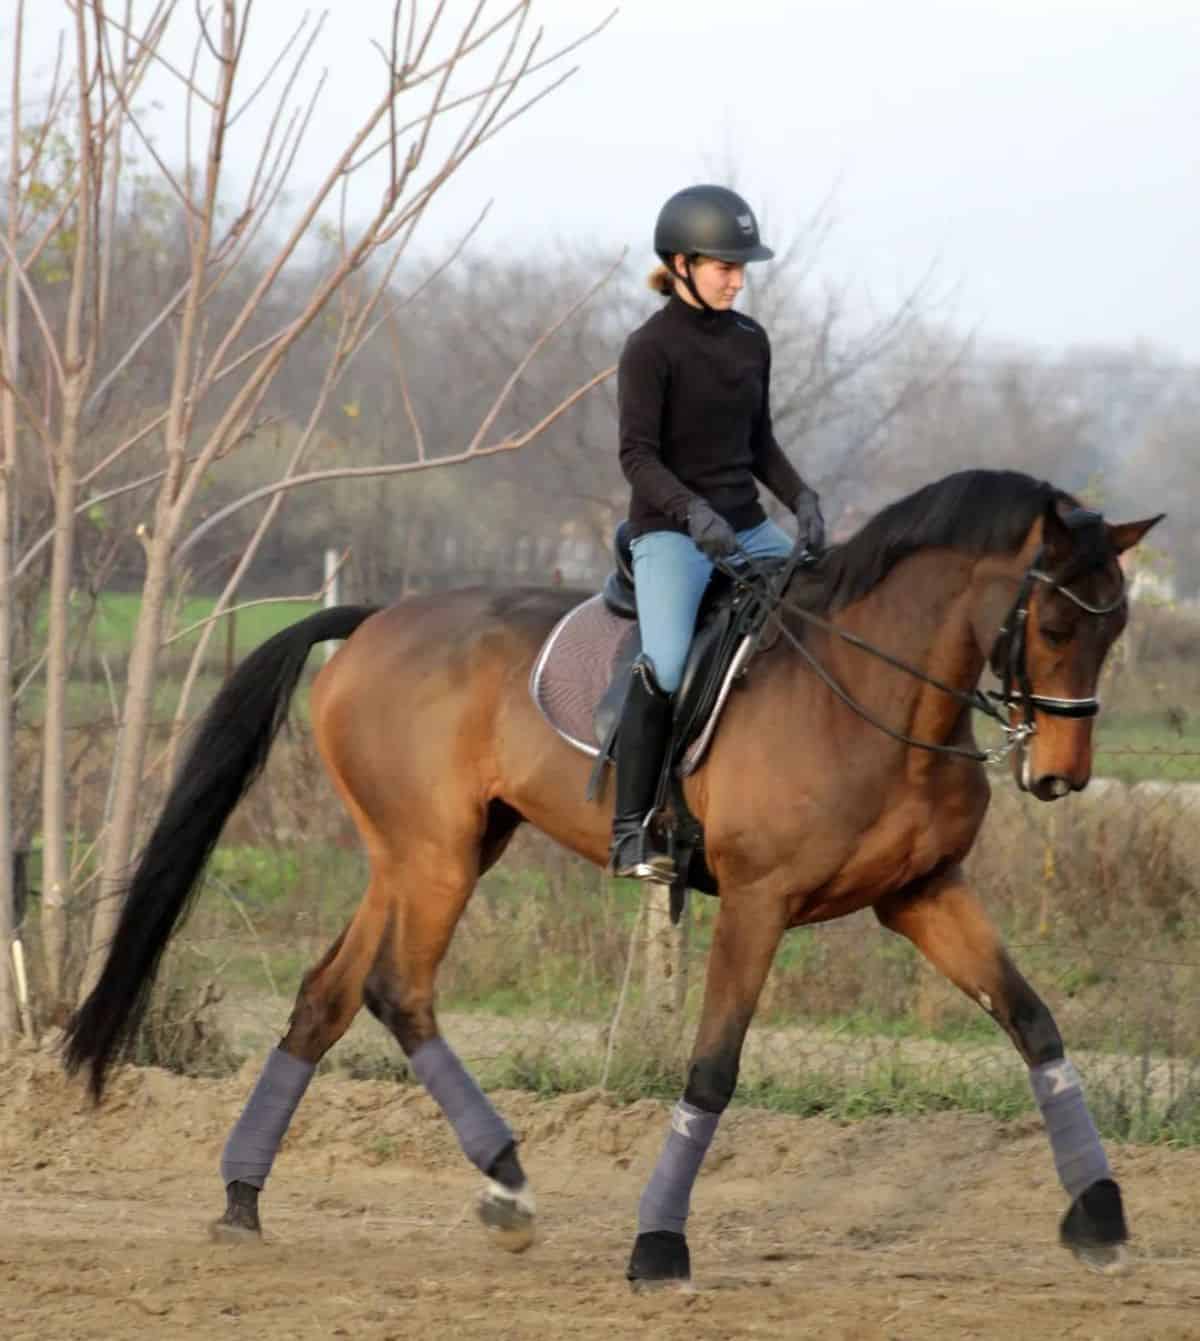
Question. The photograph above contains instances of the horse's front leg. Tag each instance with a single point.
(747, 933)
(945, 921)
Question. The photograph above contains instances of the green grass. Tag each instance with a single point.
(537, 951)
(110, 641)
(973, 1028)
(889, 1089)
(117, 613)
(1137, 747)
(1133, 747)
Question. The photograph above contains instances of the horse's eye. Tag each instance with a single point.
(1056, 637)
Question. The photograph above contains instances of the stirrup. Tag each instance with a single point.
(648, 862)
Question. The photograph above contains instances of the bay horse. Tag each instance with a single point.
(810, 810)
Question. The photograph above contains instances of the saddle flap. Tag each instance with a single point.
(619, 596)
(608, 710)
(581, 675)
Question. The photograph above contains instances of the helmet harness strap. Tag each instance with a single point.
(690, 281)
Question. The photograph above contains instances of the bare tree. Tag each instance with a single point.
(443, 96)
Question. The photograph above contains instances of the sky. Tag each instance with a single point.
(1039, 157)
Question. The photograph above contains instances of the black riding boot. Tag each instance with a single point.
(642, 737)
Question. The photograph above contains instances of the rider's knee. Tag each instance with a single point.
(668, 670)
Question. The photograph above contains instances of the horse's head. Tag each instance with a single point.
(1069, 609)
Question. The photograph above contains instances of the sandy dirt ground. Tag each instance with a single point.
(886, 1230)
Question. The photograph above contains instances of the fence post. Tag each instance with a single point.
(666, 956)
(332, 588)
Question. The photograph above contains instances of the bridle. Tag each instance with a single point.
(1009, 649)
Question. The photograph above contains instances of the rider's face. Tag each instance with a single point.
(717, 282)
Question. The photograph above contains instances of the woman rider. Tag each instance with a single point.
(693, 393)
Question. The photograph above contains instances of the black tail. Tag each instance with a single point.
(229, 750)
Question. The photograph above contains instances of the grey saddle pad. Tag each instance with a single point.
(575, 667)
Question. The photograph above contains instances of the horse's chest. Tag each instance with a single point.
(904, 844)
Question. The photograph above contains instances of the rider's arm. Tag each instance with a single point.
(771, 465)
(642, 379)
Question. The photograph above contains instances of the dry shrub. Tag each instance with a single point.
(179, 1031)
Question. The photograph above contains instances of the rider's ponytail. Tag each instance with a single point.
(659, 279)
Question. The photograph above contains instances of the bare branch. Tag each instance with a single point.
(139, 342)
(147, 143)
(29, 411)
(554, 58)
(407, 467)
(410, 412)
(202, 21)
(151, 49)
(218, 615)
(80, 509)
(332, 374)
(490, 418)
(37, 309)
(283, 154)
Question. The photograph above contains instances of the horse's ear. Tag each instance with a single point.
(1063, 522)
(1125, 535)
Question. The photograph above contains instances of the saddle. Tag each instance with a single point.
(582, 675)
(729, 617)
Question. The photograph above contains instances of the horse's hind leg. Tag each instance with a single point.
(400, 993)
(326, 1004)
(947, 923)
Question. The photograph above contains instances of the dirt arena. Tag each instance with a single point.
(886, 1230)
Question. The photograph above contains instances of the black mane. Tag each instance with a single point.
(979, 511)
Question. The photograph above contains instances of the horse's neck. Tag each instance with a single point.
(921, 614)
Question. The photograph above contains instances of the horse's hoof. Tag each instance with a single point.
(659, 1259)
(1094, 1229)
(240, 1223)
(509, 1217)
(1108, 1259)
(226, 1231)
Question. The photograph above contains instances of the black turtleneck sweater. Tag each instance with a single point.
(693, 396)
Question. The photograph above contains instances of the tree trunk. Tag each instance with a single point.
(131, 754)
(8, 998)
(9, 359)
(56, 866)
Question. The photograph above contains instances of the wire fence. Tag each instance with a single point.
(553, 980)
(1097, 897)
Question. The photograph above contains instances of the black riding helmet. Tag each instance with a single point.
(709, 221)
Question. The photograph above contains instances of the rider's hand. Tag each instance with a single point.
(810, 525)
(714, 536)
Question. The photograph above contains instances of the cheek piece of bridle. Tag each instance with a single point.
(1008, 657)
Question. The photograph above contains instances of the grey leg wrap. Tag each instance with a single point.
(481, 1131)
(1078, 1155)
(254, 1141)
(664, 1204)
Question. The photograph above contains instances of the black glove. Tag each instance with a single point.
(714, 536)
(810, 525)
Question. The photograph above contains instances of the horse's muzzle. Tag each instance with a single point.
(1053, 787)
(1052, 783)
